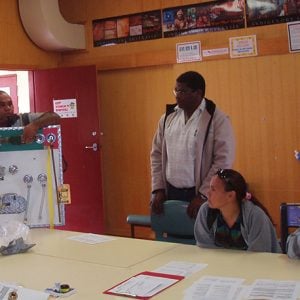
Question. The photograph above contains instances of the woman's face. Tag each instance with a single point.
(217, 196)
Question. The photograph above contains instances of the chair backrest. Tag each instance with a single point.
(174, 225)
(289, 219)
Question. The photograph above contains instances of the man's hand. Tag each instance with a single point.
(29, 133)
(158, 200)
(46, 119)
(194, 206)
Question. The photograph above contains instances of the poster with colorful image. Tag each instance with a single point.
(204, 17)
(266, 12)
(130, 28)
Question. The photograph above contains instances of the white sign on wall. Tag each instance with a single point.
(65, 108)
(294, 36)
(187, 52)
(243, 46)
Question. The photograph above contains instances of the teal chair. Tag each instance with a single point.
(174, 225)
(138, 220)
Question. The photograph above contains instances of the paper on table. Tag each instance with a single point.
(23, 293)
(273, 289)
(182, 268)
(214, 288)
(91, 238)
(144, 285)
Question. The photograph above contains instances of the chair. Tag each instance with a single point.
(174, 225)
(138, 220)
(289, 219)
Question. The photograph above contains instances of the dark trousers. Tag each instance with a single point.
(184, 194)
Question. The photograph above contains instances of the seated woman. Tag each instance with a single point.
(232, 218)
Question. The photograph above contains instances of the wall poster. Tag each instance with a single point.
(218, 15)
(266, 12)
(294, 36)
(205, 17)
(125, 29)
(65, 108)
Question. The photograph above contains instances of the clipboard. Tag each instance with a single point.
(167, 280)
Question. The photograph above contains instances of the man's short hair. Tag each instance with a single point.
(193, 80)
(4, 93)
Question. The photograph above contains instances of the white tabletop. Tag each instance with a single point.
(120, 252)
(91, 269)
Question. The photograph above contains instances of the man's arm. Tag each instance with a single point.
(158, 189)
(156, 158)
(223, 150)
(46, 119)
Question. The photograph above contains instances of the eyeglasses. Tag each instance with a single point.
(181, 92)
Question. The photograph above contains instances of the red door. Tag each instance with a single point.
(8, 84)
(85, 213)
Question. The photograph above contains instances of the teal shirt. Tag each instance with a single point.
(229, 237)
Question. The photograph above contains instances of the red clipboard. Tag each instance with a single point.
(147, 273)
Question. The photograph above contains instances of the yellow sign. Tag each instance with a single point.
(64, 193)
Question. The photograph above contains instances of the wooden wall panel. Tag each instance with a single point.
(255, 92)
(130, 101)
(261, 95)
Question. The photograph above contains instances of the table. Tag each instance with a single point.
(91, 269)
(116, 253)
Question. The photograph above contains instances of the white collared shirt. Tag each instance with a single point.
(181, 146)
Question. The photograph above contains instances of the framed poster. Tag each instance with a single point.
(130, 28)
(267, 12)
(243, 46)
(294, 36)
(205, 17)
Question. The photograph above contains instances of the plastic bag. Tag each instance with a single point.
(13, 237)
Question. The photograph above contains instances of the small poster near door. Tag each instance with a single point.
(243, 46)
(65, 108)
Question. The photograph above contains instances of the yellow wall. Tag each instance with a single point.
(16, 50)
(271, 39)
(261, 95)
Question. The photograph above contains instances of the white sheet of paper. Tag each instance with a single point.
(214, 288)
(273, 289)
(181, 268)
(142, 286)
(23, 293)
(91, 238)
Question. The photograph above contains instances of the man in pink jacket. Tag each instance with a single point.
(193, 140)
